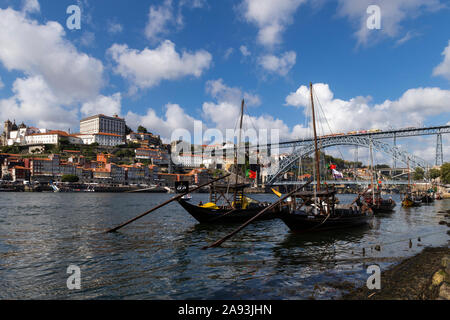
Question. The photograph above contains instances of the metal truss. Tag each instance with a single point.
(353, 140)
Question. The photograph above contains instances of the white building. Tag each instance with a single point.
(51, 137)
(103, 139)
(103, 124)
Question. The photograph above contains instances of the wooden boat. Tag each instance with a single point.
(307, 216)
(426, 199)
(228, 202)
(409, 201)
(378, 204)
(312, 211)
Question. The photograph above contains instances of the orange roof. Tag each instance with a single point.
(71, 151)
(108, 134)
(20, 167)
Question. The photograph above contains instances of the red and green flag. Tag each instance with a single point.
(332, 167)
(251, 174)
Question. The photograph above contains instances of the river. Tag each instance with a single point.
(160, 256)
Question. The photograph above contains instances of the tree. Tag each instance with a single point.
(418, 174)
(128, 130)
(445, 173)
(434, 173)
(142, 129)
(70, 178)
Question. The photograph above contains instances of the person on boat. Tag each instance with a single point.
(200, 203)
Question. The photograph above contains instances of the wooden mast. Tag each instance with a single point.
(315, 138)
(237, 152)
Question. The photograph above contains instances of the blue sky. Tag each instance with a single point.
(128, 58)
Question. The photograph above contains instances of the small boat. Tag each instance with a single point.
(378, 204)
(410, 201)
(187, 197)
(307, 216)
(427, 199)
(317, 210)
(223, 209)
(228, 202)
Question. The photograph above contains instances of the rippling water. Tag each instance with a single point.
(160, 256)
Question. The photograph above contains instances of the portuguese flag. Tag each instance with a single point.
(332, 167)
(251, 174)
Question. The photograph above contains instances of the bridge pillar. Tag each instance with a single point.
(439, 151)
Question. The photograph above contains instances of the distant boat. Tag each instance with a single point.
(378, 204)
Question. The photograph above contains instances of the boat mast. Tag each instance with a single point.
(371, 171)
(237, 150)
(315, 139)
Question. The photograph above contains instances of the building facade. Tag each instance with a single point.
(103, 124)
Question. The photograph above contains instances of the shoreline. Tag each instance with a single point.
(425, 276)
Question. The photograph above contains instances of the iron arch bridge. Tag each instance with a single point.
(360, 141)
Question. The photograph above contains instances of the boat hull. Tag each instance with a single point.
(220, 216)
(301, 223)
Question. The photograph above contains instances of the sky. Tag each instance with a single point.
(165, 64)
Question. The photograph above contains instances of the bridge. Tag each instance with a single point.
(350, 182)
(305, 147)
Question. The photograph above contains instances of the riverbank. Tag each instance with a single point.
(426, 276)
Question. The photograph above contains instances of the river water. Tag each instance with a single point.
(160, 256)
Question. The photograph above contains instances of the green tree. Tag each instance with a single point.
(445, 173)
(434, 173)
(70, 178)
(418, 174)
(142, 129)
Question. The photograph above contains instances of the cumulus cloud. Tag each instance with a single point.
(159, 20)
(41, 49)
(54, 72)
(33, 101)
(228, 53)
(280, 65)
(147, 68)
(443, 69)
(271, 17)
(175, 118)
(31, 6)
(103, 104)
(411, 108)
(393, 13)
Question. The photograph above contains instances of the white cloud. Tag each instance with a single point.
(393, 13)
(228, 53)
(31, 6)
(175, 118)
(102, 104)
(281, 65)
(411, 109)
(34, 102)
(159, 20)
(114, 27)
(271, 17)
(443, 69)
(2, 85)
(56, 76)
(244, 50)
(147, 68)
(41, 49)
(87, 39)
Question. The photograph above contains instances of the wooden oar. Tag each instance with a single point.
(165, 203)
(219, 242)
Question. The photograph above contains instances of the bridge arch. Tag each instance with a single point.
(304, 150)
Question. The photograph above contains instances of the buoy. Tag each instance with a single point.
(410, 243)
(378, 247)
(364, 251)
(419, 239)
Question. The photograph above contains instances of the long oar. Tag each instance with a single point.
(165, 203)
(219, 242)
